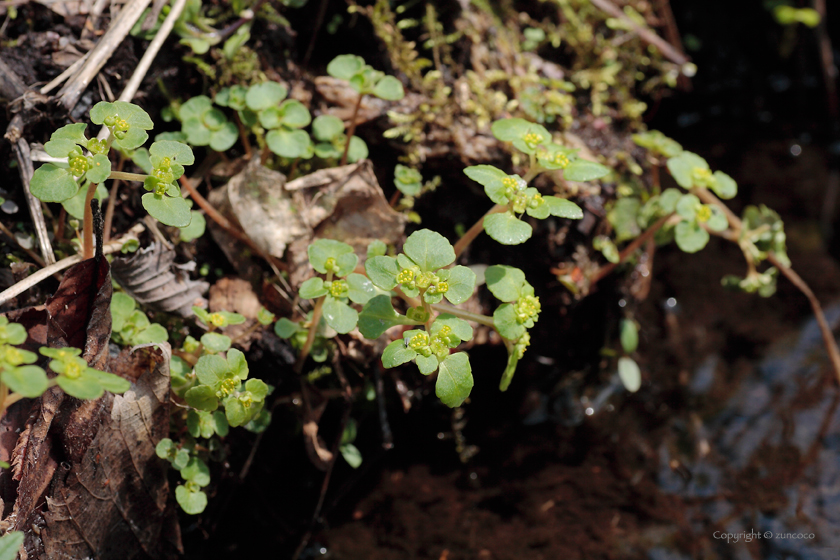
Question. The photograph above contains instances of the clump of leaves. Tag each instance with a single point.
(329, 132)
(130, 326)
(205, 125)
(364, 79)
(87, 164)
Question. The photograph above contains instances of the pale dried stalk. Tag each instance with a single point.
(42, 274)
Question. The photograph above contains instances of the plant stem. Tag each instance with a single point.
(461, 314)
(87, 249)
(630, 249)
(112, 202)
(476, 228)
(125, 176)
(828, 337)
(351, 130)
(32, 255)
(310, 337)
(243, 135)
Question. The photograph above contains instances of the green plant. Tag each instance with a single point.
(366, 81)
(329, 132)
(211, 379)
(26, 380)
(130, 326)
(84, 164)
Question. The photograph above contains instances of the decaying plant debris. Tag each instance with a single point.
(86, 478)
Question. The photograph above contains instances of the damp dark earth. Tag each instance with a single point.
(392, 280)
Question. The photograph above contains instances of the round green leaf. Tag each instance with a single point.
(154, 333)
(584, 170)
(389, 88)
(687, 206)
(59, 147)
(294, 114)
(455, 380)
(504, 319)
(397, 353)
(215, 342)
(461, 284)
(460, 327)
(192, 503)
(211, 370)
(109, 381)
(361, 289)
(508, 130)
(271, 118)
(690, 237)
(264, 95)
(507, 229)
(491, 179)
(83, 387)
(504, 282)
(725, 186)
(178, 152)
(74, 132)
(10, 544)
(631, 376)
(344, 66)
(214, 119)
(563, 208)
(323, 249)
(197, 133)
(382, 271)
(718, 221)
(171, 211)
(197, 472)
(340, 316)
(426, 364)
(53, 184)
(28, 381)
(629, 336)
(284, 328)
(327, 127)
(197, 227)
(313, 288)
(235, 412)
(378, 316)
(195, 108)
(288, 143)
(202, 397)
(224, 138)
(351, 454)
(358, 150)
(100, 170)
(257, 388)
(429, 250)
(682, 167)
(237, 364)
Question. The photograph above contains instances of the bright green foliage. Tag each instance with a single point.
(15, 371)
(658, 143)
(297, 334)
(197, 227)
(789, 15)
(75, 206)
(364, 79)
(765, 231)
(629, 373)
(164, 202)
(419, 270)
(349, 451)
(265, 317)
(329, 132)
(629, 336)
(79, 380)
(408, 181)
(219, 319)
(10, 544)
(214, 342)
(337, 260)
(234, 97)
(521, 308)
(525, 135)
(205, 125)
(510, 190)
(378, 315)
(283, 119)
(128, 123)
(690, 171)
(691, 233)
(607, 247)
(130, 326)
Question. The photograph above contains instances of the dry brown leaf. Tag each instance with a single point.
(114, 503)
(152, 278)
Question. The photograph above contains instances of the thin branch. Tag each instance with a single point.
(630, 249)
